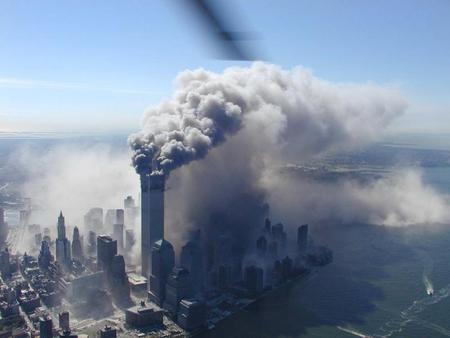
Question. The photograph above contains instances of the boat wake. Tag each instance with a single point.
(411, 313)
(427, 270)
(353, 332)
(428, 285)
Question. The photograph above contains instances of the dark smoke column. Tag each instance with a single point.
(152, 215)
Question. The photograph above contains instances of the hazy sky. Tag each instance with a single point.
(98, 64)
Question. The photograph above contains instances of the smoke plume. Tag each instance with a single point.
(236, 128)
(207, 108)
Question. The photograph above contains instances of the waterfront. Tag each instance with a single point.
(375, 287)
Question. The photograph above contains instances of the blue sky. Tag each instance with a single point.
(96, 65)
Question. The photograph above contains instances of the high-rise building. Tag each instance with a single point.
(63, 319)
(77, 248)
(92, 243)
(128, 202)
(152, 216)
(2, 216)
(163, 261)
(178, 286)
(45, 327)
(261, 245)
(106, 250)
(3, 228)
(130, 240)
(93, 220)
(267, 226)
(110, 218)
(279, 235)
(108, 332)
(120, 217)
(114, 216)
(118, 235)
(62, 243)
(130, 209)
(24, 217)
(118, 279)
(61, 226)
(45, 256)
(192, 259)
(192, 314)
(302, 237)
(5, 264)
(254, 279)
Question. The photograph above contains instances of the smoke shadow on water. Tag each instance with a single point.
(343, 293)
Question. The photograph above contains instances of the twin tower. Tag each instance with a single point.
(152, 216)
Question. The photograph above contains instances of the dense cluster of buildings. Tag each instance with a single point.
(88, 276)
(211, 269)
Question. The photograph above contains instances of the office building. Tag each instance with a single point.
(254, 279)
(77, 248)
(108, 332)
(3, 228)
(178, 286)
(302, 237)
(93, 220)
(118, 279)
(63, 255)
(192, 259)
(152, 216)
(45, 327)
(143, 315)
(192, 314)
(130, 240)
(64, 323)
(5, 264)
(118, 235)
(45, 256)
(163, 261)
(106, 250)
(92, 243)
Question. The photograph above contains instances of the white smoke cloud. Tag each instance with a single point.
(398, 199)
(251, 120)
(207, 108)
(74, 177)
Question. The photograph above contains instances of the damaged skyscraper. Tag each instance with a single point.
(152, 215)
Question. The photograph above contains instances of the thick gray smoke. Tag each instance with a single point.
(207, 108)
(237, 127)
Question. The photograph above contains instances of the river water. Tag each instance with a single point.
(377, 286)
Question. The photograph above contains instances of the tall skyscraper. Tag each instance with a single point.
(118, 235)
(3, 228)
(106, 250)
(45, 256)
(77, 249)
(92, 243)
(130, 211)
(192, 259)
(61, 226)
(178, 286)
(62, 243)
(163, 261)
(128, 202)
(129, 240)
(152, 216)
(254, 279)
(118, 279)
(302, 237)
(93, 220)
(45, 327)
(5, 264)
